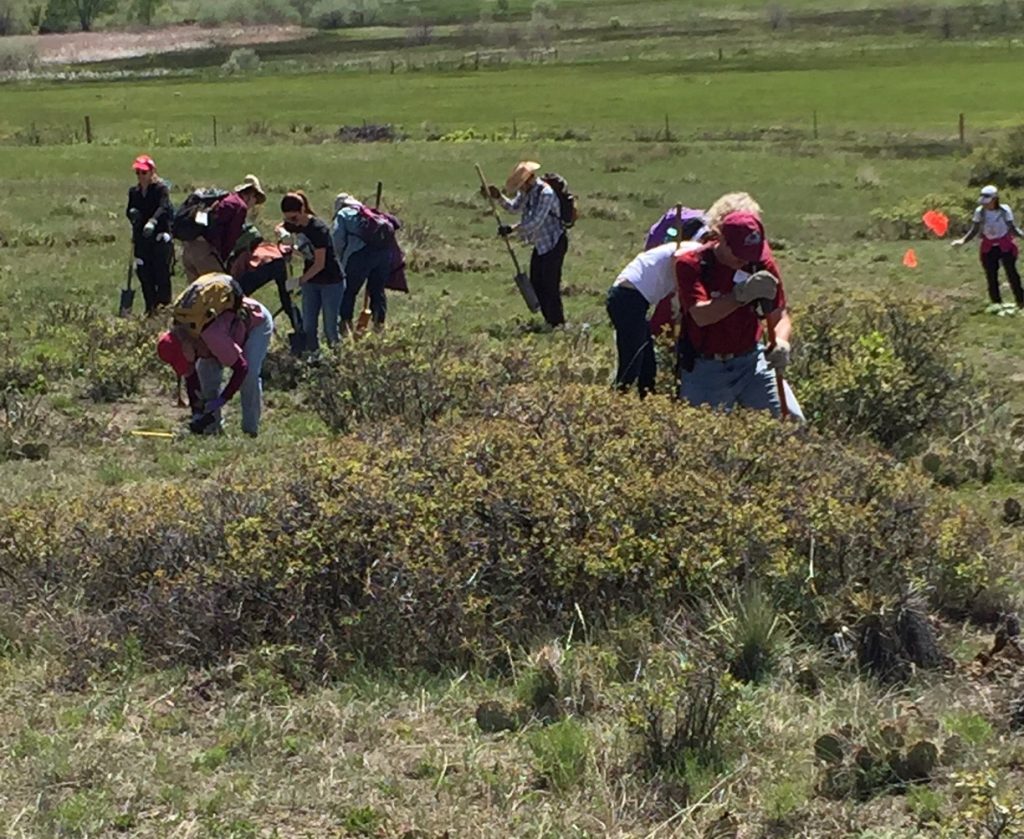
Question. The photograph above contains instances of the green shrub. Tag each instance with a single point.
(879, 367)
(482, 534)
(17, 57)
(560, 753)
(1000, 163)
(903, 221)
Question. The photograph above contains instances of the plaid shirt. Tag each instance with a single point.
(541, 223)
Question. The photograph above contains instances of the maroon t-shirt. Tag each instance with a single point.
(734, 334)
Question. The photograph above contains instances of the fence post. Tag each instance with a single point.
(814, 123)
(88, 130)
(514, 130)
(215, 132)
(668, 132)
(719, 53)
(962, 135)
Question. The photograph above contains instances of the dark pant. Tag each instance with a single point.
(546, 279)
(991, 262)
(627, 309)
(373, 268)
(277, 272)
(154, 273)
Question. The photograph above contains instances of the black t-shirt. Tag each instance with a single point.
(319, 236)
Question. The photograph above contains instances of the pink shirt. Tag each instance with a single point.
(224, 338)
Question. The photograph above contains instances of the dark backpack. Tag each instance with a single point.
(184, 225)
(376, 230)
(567, 212)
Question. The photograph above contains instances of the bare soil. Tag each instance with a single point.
(84, 47)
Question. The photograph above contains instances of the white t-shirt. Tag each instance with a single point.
(652, 272)
(995, 224)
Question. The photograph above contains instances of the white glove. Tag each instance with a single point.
(292, 284)
(164, 237)
(778, 356)
(147, 231)
(957, 243)
(759, 286)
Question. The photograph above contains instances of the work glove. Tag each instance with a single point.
(291, 284)
(163, 237)
(957, 243)
(133, 215)
(778, 356)
(200, 422)
(490, 191)
(215, 404)
(505, 230)
(758, 286)
(149, 229)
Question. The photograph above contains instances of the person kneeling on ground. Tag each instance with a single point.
(646, 281)
(238, 338)
(540, 225)
(150, 212)
(321, 279)
(995, 223)
(723, 288)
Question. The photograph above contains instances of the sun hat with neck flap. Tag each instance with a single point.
(253, 183)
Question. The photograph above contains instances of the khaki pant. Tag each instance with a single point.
(199, 257)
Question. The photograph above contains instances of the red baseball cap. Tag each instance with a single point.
(744, 235)
(169, 348)
(144, 163)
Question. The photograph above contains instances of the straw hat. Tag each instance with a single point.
(520, 175)
(252, 182)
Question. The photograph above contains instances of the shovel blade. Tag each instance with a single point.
(526, 289)
(297, 342)
(127, 299)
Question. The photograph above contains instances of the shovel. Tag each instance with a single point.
(128, 293)
(522, 281)
(365, 315)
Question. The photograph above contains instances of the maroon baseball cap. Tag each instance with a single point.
(744, 235)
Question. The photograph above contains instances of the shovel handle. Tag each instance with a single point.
(497, 218)
(780, 383)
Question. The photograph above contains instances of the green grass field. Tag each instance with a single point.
(119, 743)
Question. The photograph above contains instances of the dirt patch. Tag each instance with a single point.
(85, 47)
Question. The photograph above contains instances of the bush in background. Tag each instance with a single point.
(1001, 163)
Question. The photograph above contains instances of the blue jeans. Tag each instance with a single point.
(211, 374)
(370, 267)
(745, 380)
(315, 298)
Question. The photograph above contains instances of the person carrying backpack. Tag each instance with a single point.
(542, 225)
(364, 243)
(725, 288)
(150, 212)
(997, 227)
(321, 280)
(220, 219)
(646, 281)
(215, 326)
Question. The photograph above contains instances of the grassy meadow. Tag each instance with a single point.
(177, 655)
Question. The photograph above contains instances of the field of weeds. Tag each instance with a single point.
(459, 588)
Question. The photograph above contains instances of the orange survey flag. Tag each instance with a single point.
(936, 222)
(910, 258)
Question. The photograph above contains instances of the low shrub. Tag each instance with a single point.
(17, 57)
(1000, 163)
(883, 368)
(903, 221)
(243, 60)
(480, 533)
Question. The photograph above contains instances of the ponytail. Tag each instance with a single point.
(296, 202)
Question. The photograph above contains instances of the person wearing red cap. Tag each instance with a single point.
(238, 340)
(150, 212)
(724, 289)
